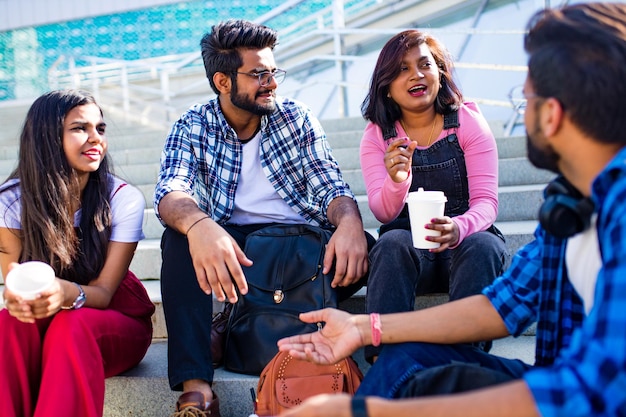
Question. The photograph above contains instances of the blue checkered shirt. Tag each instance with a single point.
(580, 360)
(202, 157)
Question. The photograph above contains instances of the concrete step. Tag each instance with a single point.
(519, 202)
(519, 171)
(139, 173)
(517, 233)
(129, 156)
(332, 126)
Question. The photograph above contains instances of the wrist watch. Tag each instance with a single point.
(79, 301)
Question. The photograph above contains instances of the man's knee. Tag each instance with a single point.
(451, 379)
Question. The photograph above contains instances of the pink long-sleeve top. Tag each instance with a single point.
(386, 198)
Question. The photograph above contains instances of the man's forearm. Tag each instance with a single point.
(467, 320)
(343, 208)
(179, 211)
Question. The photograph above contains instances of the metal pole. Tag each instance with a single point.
(95, 82)
(165, 91)
(339, 23)
(125, 90)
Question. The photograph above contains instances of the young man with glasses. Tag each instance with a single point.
(571, 279)
(250, 159)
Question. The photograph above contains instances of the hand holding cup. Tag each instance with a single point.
(29, 279)
(423, 207)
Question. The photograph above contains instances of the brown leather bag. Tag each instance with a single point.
(286, 382)
(219, 325)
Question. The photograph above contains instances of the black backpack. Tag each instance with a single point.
(285, 280)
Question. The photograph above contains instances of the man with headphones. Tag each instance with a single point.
(571, 279)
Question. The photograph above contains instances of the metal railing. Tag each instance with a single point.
(153, 90)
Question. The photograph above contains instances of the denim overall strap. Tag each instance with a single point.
(440, 167)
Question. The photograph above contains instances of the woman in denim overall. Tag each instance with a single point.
(422, 134)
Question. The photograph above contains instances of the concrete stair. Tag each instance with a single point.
(135, 150)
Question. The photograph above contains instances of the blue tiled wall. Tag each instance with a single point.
(27, 54)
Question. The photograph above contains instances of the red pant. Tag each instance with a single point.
(57, 366)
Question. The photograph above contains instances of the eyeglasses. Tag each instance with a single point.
(265, 77)
(523, 104)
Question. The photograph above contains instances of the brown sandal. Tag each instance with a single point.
(193, 404)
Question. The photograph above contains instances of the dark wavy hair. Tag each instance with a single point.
(220, 47)
(577, 55)
(49, 185)
(383, 111)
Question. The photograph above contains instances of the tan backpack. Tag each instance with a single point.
(286, 382)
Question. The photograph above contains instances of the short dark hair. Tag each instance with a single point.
(220, 47)
(382, 111)
(577, 54)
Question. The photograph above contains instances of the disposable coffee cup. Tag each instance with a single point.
(29, 279)
(423, 206)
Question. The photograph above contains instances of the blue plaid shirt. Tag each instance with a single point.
(580, 360)
(202, 157)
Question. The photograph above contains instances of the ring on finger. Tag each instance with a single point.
(392, 163)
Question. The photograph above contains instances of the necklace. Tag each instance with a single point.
(430, 137)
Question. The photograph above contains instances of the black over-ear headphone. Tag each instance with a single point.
(565, 210)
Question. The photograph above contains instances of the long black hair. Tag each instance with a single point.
(49, 190)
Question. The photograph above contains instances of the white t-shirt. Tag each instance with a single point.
(583, 261)
(127, 208)
(256, 200)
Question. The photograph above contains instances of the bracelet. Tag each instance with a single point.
(377, 330)
(359, 407)
(195, 223)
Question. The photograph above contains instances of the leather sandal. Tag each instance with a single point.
(193, 404)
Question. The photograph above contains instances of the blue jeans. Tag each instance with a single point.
(398, 365)
(398, 271)
(188, 310)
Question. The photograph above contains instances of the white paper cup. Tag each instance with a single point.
(423, 206)
(29, 279)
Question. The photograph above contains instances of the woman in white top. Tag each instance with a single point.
(63, 206)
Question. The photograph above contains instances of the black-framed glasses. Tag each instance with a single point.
(265, 77)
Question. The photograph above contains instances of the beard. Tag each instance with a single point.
(544, 158)
(243, 102)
